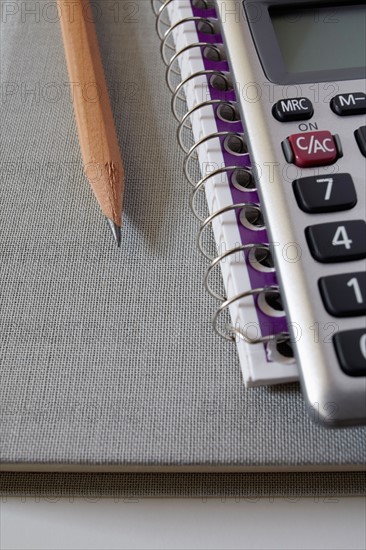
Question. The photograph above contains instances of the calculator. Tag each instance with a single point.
(299, 71)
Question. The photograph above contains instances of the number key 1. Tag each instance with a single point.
(344, 295)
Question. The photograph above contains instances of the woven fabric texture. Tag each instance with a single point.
(107, 356)
(135, 486)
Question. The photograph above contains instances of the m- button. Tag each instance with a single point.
(349, 104)
(312, 149)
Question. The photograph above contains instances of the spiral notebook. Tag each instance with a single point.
(217, 162)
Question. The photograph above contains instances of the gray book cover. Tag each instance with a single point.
(108, 361)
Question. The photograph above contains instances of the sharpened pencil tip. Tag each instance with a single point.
(116, 231)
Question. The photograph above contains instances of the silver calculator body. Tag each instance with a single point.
(303, 107)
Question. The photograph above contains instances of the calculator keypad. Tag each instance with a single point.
(344, 295)
(328, 193)
(337, 241)
(350, 347)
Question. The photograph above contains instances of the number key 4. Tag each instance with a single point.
(337, 241)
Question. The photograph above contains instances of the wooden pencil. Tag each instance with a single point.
(97, 135)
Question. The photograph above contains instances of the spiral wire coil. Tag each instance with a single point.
(165, 31)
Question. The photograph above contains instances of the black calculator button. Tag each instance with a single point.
(349, 104)
(350, 347)
(337, 241)
(287, 110)
(344, 295)
(360, 136)
(331, 193)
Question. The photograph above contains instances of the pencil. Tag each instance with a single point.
(94, 119)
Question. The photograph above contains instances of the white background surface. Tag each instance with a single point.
(183, 523)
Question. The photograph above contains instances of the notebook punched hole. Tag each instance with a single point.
(243, 180)
(261, 259)
(208, 26)
(270, 302)
(285, 349)
(281, 350)
(216, 52)
(221, 82)
(236, 145)
(204, 4)
(252, 218)
(274, 300)
(228, 112)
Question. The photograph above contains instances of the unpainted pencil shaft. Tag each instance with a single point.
(93, 113)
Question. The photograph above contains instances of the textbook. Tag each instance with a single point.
(108, 359)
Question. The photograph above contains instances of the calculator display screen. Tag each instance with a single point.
(321, 38)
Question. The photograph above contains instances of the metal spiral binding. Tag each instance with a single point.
(219, 259)
(159, 17)
(212, 217)
(165, 44)
(279, 337)
(184, 123)
(205, 139)
(172, 60)
(158, 4)
(160, 21)
(160, 9)
(180, 87)
(200, 185)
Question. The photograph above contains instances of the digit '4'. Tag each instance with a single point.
(341, 238)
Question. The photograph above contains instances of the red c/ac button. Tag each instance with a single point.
(312, 149)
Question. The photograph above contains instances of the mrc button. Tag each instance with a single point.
(287, 110)
(349, 104)
(312, 149)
